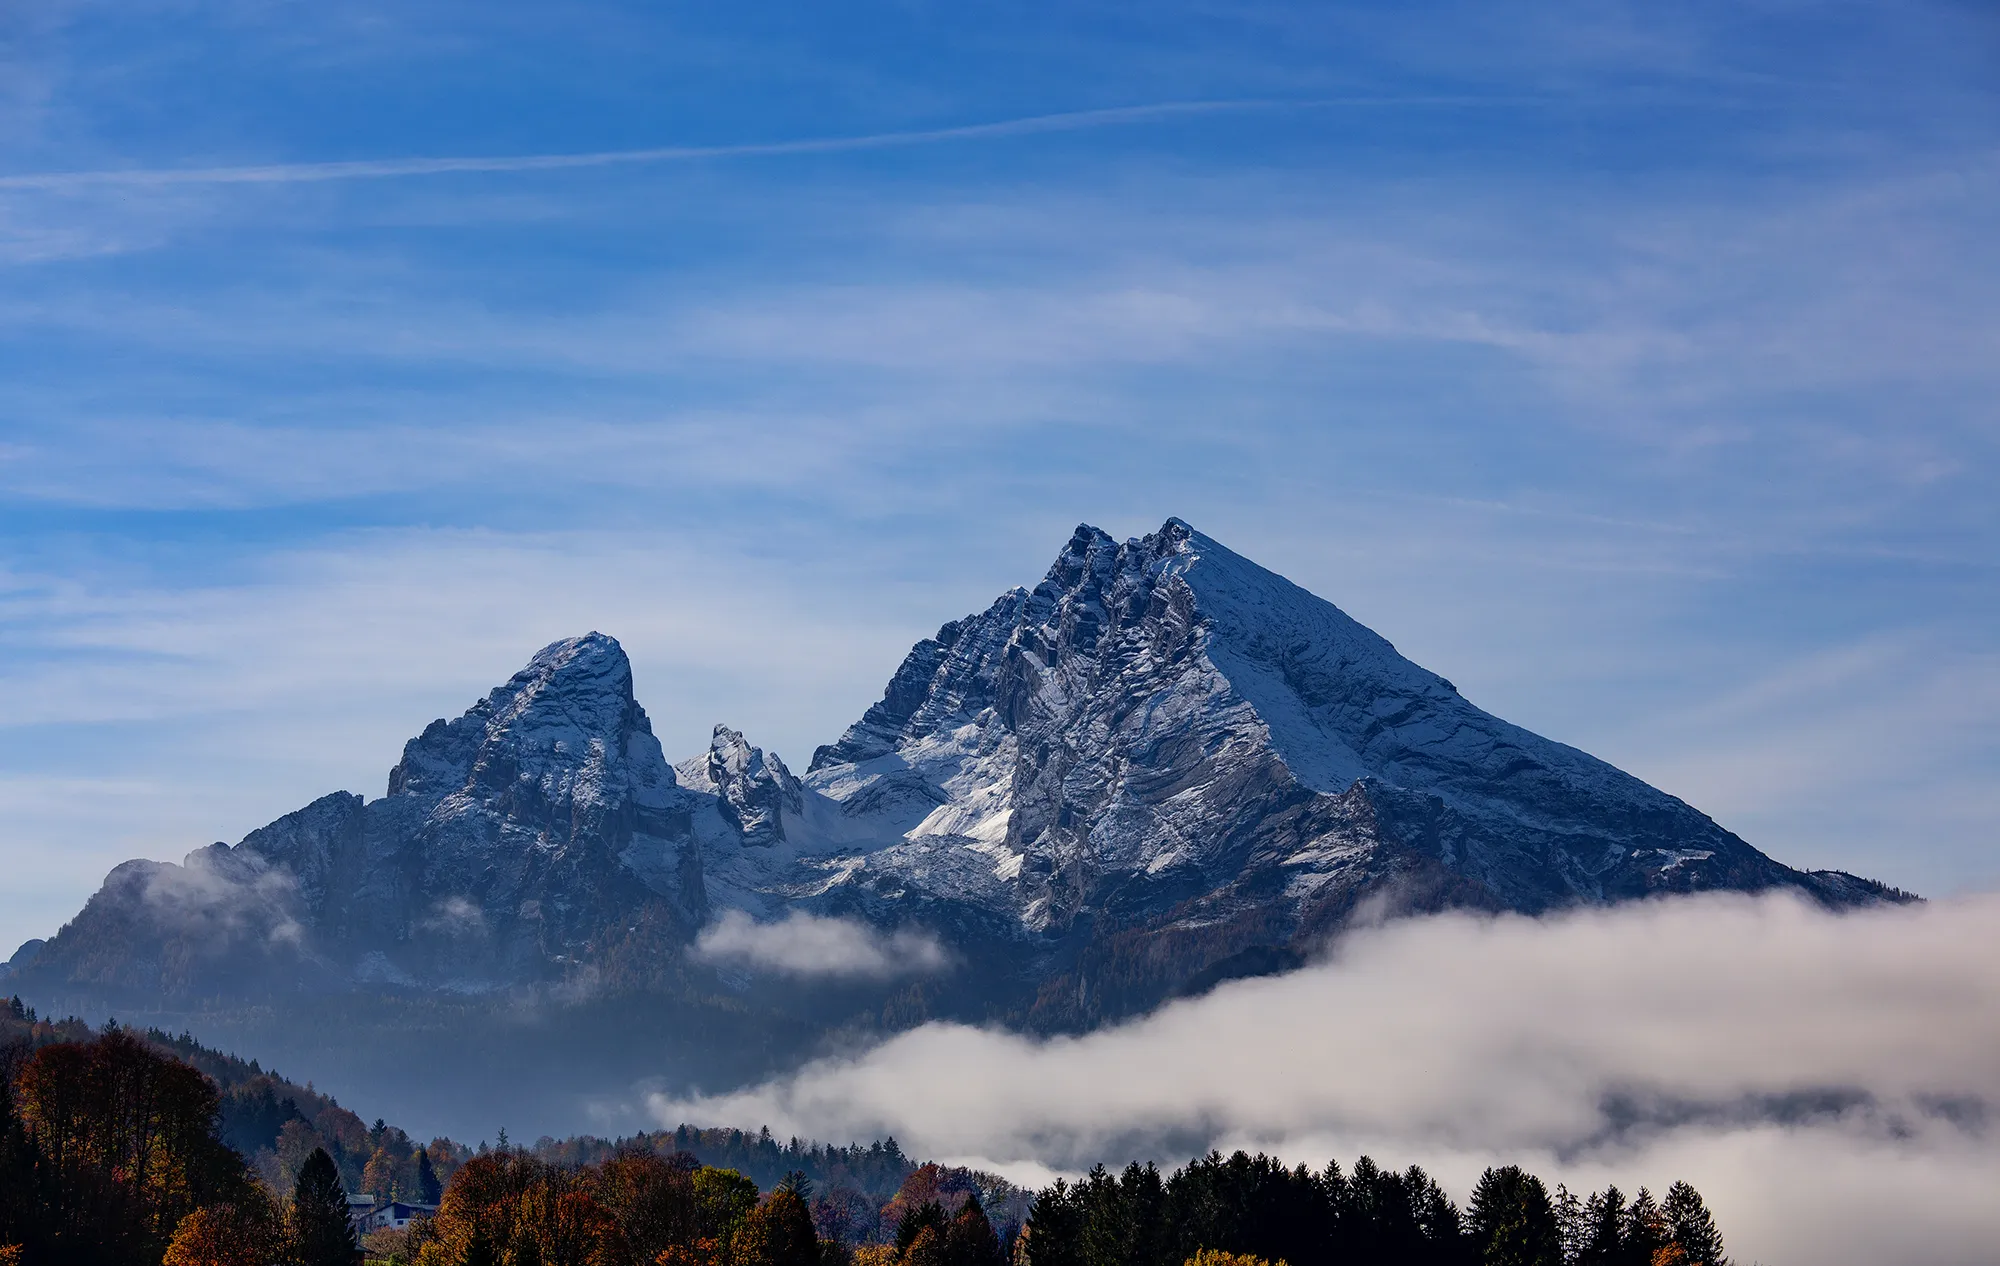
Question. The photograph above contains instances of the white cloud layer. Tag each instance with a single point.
(1827, 1081)
(811, 946)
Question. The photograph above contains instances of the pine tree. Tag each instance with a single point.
(1691, 1227)
(429, 1189)
(1512, 1221)
(928, 1214)
(1055, 1228)
(1604, 1235)
(1572, 1223)
(321, 1232)
(1645, 1230)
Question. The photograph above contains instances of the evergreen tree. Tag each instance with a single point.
(1436, 1220)
(1692, 1228)
(1055, 1228)
(1572, 1223)
(429, 1189)
(1126, 1219)
(321, 1232)
(928, 1214)
(1512, 1221)
(1604, 1235)
(1645, 1230)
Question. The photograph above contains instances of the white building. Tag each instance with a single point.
(395, 1215)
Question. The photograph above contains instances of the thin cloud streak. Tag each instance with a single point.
(382, 169)
(813, 947)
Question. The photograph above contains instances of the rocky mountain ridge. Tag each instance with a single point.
(1162, 766)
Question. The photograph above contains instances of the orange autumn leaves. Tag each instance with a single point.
(636, 1209)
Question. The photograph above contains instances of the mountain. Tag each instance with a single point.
(541, 827)
(1167, 756)
(1161, 767)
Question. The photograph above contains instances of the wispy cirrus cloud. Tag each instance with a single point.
(391, 168)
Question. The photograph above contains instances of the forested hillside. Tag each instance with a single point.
(272, 1122)
(122, 1148)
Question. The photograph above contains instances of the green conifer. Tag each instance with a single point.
(321, 1232)
(1604, 1229)
(1692, 1227)
(429, 1189)
(1512, 1220)
(1645, 1230)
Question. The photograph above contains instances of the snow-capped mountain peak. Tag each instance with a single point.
(1162, 753)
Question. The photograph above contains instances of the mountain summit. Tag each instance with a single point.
(1162, 720)
(1169, 756)
(522, 836)
(1160, 767)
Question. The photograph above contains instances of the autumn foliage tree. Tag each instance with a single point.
(778, 1232)
(635, 1209)
(119, 1147)
(1216, 1257)
(246, 1232)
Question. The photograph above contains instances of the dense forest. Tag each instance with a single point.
(123, 1148)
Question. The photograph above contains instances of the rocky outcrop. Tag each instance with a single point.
(754, 791)
(516, 841)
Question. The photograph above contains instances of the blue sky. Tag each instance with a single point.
(1636, 369)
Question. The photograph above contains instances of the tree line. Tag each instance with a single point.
(636, 1206)
(116, 1151)
(1257, 1207)
(875, 1172)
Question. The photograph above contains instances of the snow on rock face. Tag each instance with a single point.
(1159, 740)
(1163, 726)
(754, 791)
(525, 835)
(549, 805)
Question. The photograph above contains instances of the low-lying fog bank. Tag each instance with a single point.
(1828, 1081)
